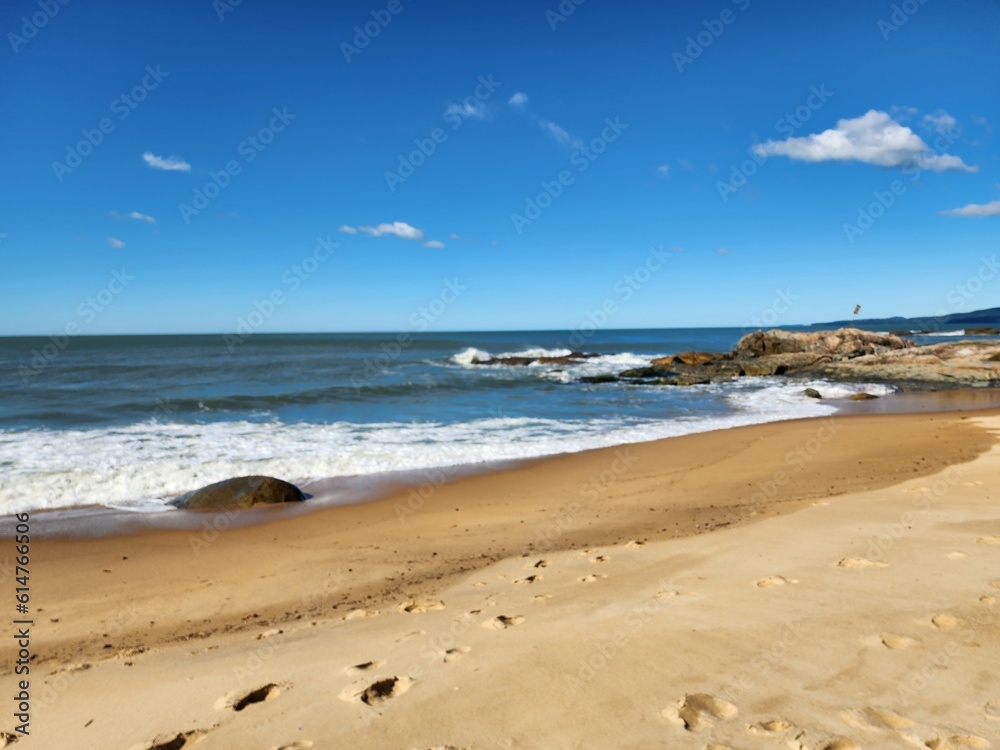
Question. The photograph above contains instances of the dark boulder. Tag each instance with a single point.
(812, 393)
(240, 492)
(862, 397)
(573, 358)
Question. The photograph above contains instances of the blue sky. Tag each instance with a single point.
(785, 161)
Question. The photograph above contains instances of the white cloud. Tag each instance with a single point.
(468, 109)
(142, 217)
(169, 163)
(115, 244)
(874, 138)
(723, 251)
(434, 243)
(397, 228)
(664, 170)
(518, 100)
(348, 230)
(975, 209)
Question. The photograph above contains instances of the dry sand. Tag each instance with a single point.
(821, 584)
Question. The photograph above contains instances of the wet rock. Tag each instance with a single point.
(240, 492)
(573, 358)
(812, 393)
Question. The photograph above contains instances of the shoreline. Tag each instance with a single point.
(95, 521)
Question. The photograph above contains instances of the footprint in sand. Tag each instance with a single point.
(591, 578)
(958, 742)
(698, 710)
(416, 606)
(893, 641)
(989, 540)
(365, 666)
(771, 581)
(600, 559)
(768, 728)
(840, 744)
(875, 717)
(943, 622)
(541, 597)
(377, 692)
(300, 745)
(860, 563)
(635, 543)
(239, 701)
(988, 599)
(539, 564)
(502, 622)
(454, 654)
(528, 579)
(357, 614)
(991, 709)
(177, 742)
(6, 738)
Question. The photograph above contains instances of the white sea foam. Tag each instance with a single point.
(141, 466)
(945, 333)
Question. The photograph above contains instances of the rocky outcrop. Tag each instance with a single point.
(844, 342)
(239, 493)
(959, 364)
(847, 354)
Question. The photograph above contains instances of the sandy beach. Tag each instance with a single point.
(827, 583)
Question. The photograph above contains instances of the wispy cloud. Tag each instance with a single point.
(169, 163)
(397, 228)
(664, 169)
(142, 217)
(977, 210)
(519, 101)
(874, 138)
(940, 122)
(115, 244)
(468, 109)
(555, 131)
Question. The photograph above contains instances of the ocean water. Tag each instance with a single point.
(132, 421)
